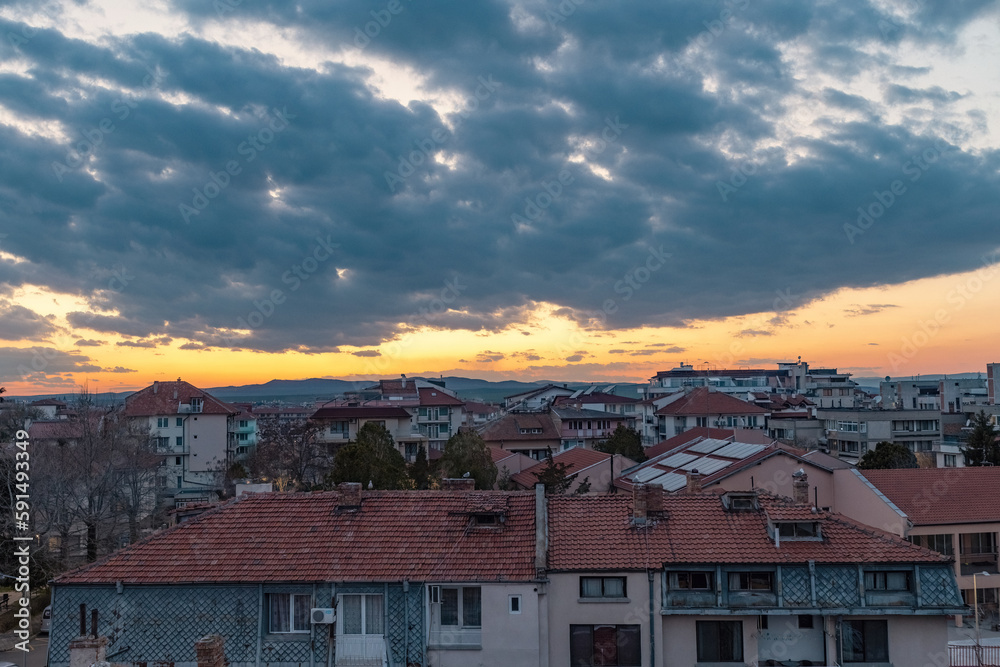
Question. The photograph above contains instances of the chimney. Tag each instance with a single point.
(640, 506)
(654, 499)
(694, 481)
(210, 651)
(458, 484)
(175, 391)
(403, 385)
(541, 529)
(156, 386)
(86, 651)
(350, 495)
(800, 487)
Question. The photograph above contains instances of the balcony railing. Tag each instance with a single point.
(361, 650)
(971, 563)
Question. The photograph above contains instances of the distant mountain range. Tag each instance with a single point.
(302, 391)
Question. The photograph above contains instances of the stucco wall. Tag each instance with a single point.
(860, 501)
(775, 476)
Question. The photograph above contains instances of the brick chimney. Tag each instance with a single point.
(640, 503)
(800, 487)
(694, 481)
(210, 651)
(156, 386)
(654, 499)
(458, 484)
(350, 495)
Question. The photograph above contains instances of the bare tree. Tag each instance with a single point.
(289, 453)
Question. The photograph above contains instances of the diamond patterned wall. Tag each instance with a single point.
(837, 586)
(795, 588)
(938, 587)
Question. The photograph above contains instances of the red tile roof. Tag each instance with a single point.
(595, 397)
(415, 535)
(474, 407)
(367, 412)
(62, 429)
(433, 396)
(163, 398)
(595, 533)
(396, 387)
(510, 425)
(577, 458)
(703, 401)
(935, 496)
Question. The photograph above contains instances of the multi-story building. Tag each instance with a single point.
(534, 434)
(585, 428)
(459, 577)
(536, 399)
(705, 407)
(951, 396)
(851, 433)
(339, 424)
(195, 433)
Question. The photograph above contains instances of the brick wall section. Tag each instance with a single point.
(210, 651)
(85, 651)
(458, 484)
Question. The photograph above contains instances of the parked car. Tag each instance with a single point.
(46, 620)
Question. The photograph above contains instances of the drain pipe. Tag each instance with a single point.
(652, 627)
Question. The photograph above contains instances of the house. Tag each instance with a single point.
(509, 463)
(949, 510)
(195, 432)
(349, 577)
(596, 470)
(955, 395)
(477, 414)
(51, 408)
(339, 424)
(244, 429)
(585, 428)
(602, 401)
(706, 408)
(536, 399)
(742, 578)
(533, 434)
(461, 577)
(283, 413)
(716, 461)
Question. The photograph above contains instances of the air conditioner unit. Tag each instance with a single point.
(325, 616)
(435, 594)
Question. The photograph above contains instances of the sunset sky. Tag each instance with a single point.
(231, 191)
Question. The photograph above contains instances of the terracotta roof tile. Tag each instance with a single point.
(434, 396)
(509, 427)
(596, 533)
(577, 459)
(163, 398)
(416, 535)
(703, 401)
(932, 496)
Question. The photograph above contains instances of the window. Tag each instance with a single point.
(602, 587)
(180, 421)
(288, 612)
(719, 641)
(443, 413)
(360, 615)
(244, 423)
(866, 641)
(950, 461)
(939, 543)
(179, 441)
(750, 581)
(177, 462)
(514, 604)
(691, 581)
(805, 622)
(798, 530)
(462, 607)
(162, 422)
(887, 581)
(196, 405)
(243, 437)
(591, 645)
(162, 443)
(740, 502)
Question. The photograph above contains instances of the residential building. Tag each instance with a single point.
(51, 408)
(509, 464)
(797, 429)
(587, 470)
(705, 407)
(337, 578)
(742, 578)
(602, 401)
(826, 387)
(536, 399)
(477, 414)
(195, 433)
(851, 433)
(534, 434)
(284, 413)
(339, 424)
(948, 510)
(585, 428)
(946, 395)
(460, 577)
(992, 386)
(245, 430)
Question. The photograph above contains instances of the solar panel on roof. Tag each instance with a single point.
(647, 474)
(707, 446)
(672, 481)
(739, 450)
(706, 466)
(677, 460)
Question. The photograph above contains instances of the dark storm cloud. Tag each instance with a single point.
(235, 201)
(20, 323)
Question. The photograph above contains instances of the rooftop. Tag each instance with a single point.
(703, 401)
(935, 496)
(165, 398)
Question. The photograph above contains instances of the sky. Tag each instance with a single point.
(231, 191)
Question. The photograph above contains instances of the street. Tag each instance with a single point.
(39, 645)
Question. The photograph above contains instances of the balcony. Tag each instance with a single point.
(972, 563)
(455, 638)
(369, 650)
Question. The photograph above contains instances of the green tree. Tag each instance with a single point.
(554, 476)
(982, 448)
(888, 455)
(504, 482)
(583, 487)
(373, 458)
(420, 470)
(466, 452)
(625, 441)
